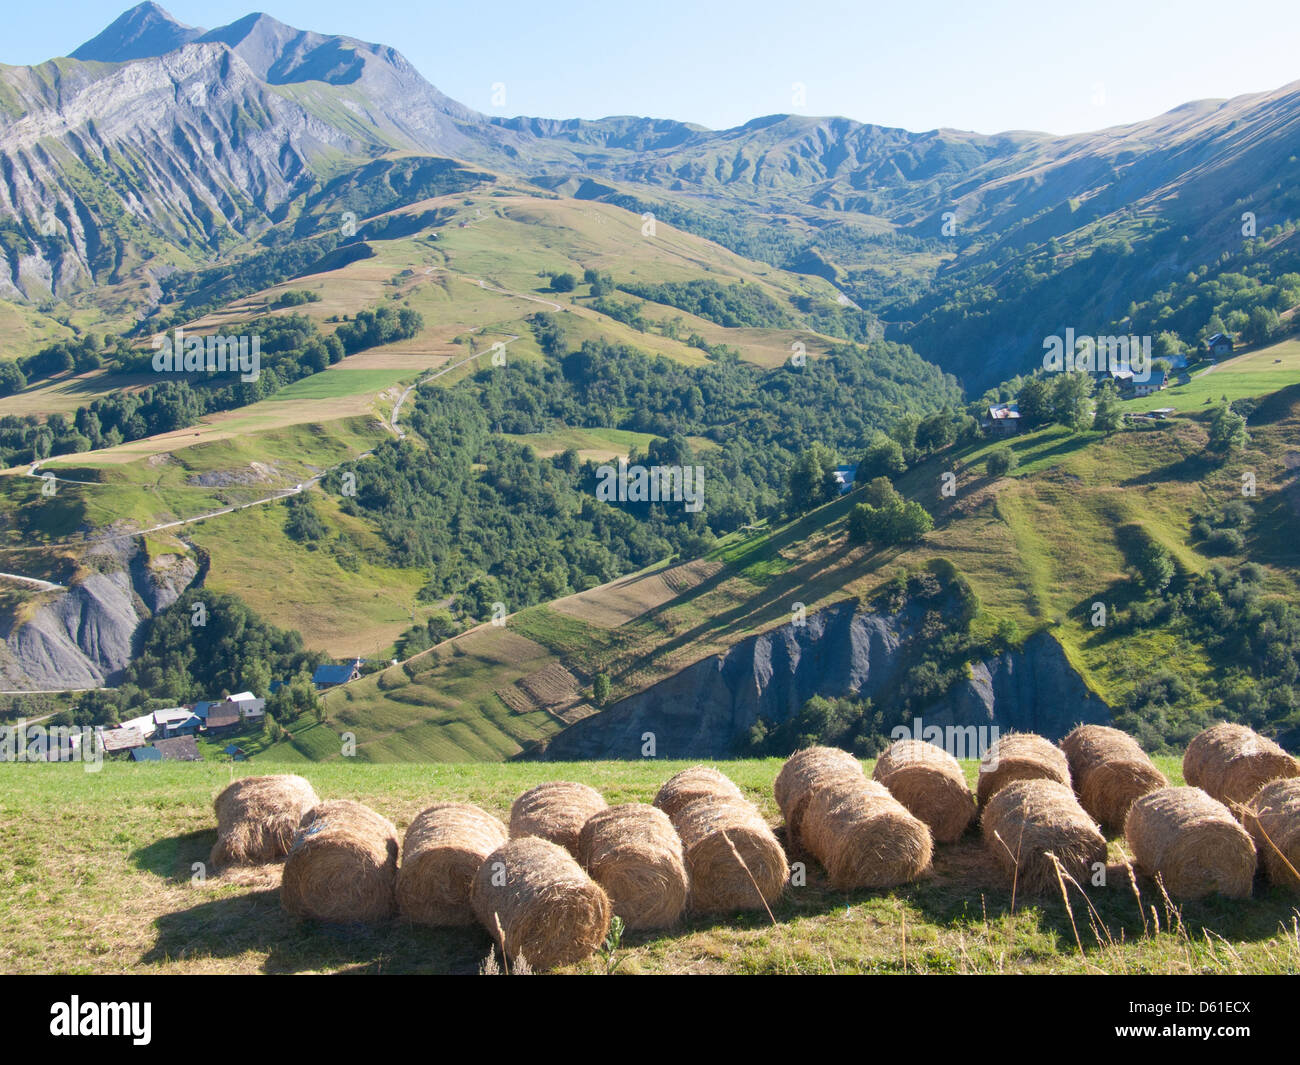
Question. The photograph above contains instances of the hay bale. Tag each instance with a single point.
(695, 783)
(1029, 819)
(1273, 820)
(1020, 756)
(864, 837)
(1232, 762)
(732, 858)
(342, 866)
(257, 818)
(535, 900)
(556, 810)
(1192, 841)
(635, 854)
(929, 782)
(802, 776)
(1109, 770)
(443, 849)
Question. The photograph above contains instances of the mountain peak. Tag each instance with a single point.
(145, 31)
(258, 25)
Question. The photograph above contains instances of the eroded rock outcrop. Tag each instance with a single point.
(84, 637)
(843, 650)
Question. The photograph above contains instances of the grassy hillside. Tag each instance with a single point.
(1039, 548)
(119, 893)
(470, 298)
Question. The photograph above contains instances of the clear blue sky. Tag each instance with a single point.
(986, 66)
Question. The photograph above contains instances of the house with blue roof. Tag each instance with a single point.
(328, 676)
(146, 754)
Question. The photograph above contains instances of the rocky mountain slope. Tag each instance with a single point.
(82, 637)
(842, 650)
(160, 140)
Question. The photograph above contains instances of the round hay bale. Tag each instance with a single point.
(1273, 819)
(929, 782)
(1027, 820)
(342, 866)
(802, 776)
(257, 818)
(1192, 841)
(442, 851)
(1020, 756)
(635, 854)
(1109, 769)
(1232, 762)
(864, 837)
(535, 900)
(695, 783)
(732, 858)
(556, 810)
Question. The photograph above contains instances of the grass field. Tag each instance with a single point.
(1255, 373)
(345, 612)
(100, 874)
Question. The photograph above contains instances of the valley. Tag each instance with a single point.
(471, 314)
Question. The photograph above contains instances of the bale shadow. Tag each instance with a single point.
(254, 923)
(174, 857)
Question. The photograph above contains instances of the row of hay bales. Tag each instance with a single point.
(1042, 808)
(545, 887)
(860, 833)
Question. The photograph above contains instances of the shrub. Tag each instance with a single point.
(1000, 461)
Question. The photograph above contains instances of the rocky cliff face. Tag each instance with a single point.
(840, 651)
(84, 637)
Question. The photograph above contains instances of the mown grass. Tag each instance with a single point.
(101, 876)
(1254, 373)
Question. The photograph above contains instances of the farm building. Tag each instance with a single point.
(1153, 384)
(1129, 386)
(1002, 418)
(844, 477)
(223, 718)
(250, 707)
(177, 721)
(330, 675)
(1218, 345)
(119, 742)
(144, 724)
(178, 749)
